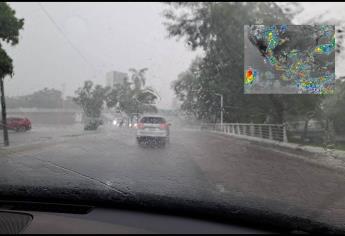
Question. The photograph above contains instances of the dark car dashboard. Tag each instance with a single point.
(112, 221)
(89, 213)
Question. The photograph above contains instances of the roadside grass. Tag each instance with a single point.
(338, 145)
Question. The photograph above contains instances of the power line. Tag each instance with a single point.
(65, 36)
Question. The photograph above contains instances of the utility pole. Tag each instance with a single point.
(137, 115)
(221, 109)
(63, 91)
(3, 111)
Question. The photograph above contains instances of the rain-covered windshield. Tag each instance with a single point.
(218, 102)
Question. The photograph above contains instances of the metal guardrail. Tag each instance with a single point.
(37, 110)
(275, 132)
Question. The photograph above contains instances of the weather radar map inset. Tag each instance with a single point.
(289, 59)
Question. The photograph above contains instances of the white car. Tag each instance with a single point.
(153, 128)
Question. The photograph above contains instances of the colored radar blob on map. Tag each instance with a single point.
(283, 28)
(251, 76)
(290, 54)
(272, 38)
(324, 49)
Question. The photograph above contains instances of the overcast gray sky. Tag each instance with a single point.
(112, 36)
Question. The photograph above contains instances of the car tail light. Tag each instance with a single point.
(163, 126)
(140, 126)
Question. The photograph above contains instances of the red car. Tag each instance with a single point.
(18, 124)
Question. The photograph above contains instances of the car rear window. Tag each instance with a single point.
(152, 120)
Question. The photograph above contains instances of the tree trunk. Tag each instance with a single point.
(305, 131)
(3, 112)
(278, 109)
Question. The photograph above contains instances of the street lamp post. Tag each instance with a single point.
(221, 109)
(137, 103)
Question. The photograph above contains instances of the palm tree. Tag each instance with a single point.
(138, 77)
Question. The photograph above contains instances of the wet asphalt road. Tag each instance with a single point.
(42, 133)
(194, 165)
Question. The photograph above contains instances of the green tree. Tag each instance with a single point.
(45, 98)
(132, 97)
(334, 106)
(138, 77)
(217, 29)
(9, 33)
(91, 99)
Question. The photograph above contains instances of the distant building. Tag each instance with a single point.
(115, 77)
